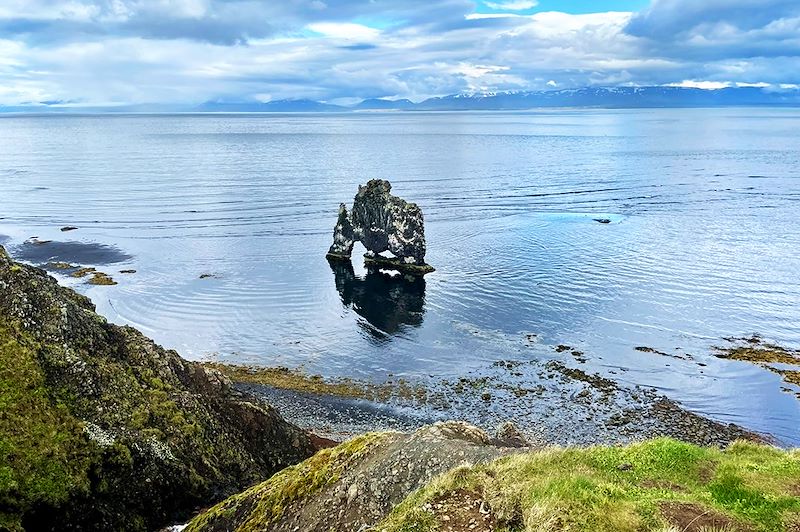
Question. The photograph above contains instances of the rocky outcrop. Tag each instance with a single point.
(102, 429)
(382, 222)
(355, 485)
(453, 477)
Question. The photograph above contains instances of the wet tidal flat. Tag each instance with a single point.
(631, 239)
(549, 403)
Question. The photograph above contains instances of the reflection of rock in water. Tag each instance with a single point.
(387, 302)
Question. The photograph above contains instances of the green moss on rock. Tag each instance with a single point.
(45, 456)
(102, 429)
(256, 508)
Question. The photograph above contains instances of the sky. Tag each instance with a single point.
(101, 52)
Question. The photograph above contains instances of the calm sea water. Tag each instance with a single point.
(703, 241)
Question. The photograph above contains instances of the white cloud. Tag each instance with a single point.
(705, 85)
(512, 5)
(486, 16)
(345, 30)
(195, 50)
(758, 85)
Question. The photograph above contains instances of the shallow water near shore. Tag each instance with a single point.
(702, 241)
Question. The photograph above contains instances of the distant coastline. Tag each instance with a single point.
(583, 98)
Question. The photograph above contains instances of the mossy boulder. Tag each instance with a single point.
(355, 485)
(102, 429)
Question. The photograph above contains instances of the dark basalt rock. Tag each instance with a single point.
(102, 429)
(382, 222)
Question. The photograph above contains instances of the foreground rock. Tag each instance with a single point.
(382, 222)
(454, 477)
(355, 485)
(101, 429)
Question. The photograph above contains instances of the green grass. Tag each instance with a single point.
(257, 507)
(622, 489)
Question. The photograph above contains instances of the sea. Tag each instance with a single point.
(601, 230)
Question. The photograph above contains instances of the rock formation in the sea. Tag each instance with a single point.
(382, 222)
(102, 429)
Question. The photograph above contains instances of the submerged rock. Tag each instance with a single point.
(74, 252)
(382, 222)
(102, 429)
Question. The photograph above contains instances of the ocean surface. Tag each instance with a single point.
(703, 240)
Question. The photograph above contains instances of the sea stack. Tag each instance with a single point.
(382, 222)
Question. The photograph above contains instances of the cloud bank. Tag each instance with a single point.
(185, 51)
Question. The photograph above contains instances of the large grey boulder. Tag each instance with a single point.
(354, 486)
(382, 222)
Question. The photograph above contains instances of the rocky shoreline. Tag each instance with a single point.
(553, 405)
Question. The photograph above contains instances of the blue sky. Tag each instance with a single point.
(89, 52)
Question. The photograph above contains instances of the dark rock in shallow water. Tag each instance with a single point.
(101, 279)
(60, 266)
(102, 429)
(68, 228)
(44, 251)
(602, 220)
(382, 222)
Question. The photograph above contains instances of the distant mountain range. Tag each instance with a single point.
(608, 98)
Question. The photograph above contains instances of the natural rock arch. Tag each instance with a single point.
(382, 222)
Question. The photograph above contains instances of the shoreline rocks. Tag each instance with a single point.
(550, 402)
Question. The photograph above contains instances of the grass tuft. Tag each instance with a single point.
(658, 485)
